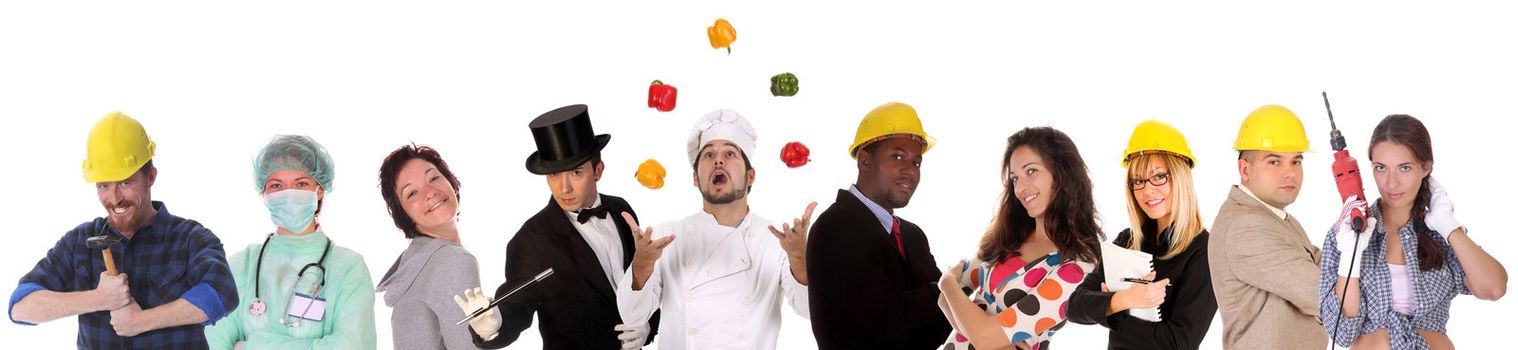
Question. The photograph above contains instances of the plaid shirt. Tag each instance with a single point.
(1433, 289)
(168, 259)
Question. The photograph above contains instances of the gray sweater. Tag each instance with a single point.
(420, 289)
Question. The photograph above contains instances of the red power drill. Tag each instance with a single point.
(1347, 177)
(1346, 170)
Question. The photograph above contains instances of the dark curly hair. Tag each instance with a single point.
(1071, 217)
(392, 166)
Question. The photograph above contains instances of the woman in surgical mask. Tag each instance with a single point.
(297, 289)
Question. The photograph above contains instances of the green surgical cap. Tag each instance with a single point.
(293, 152)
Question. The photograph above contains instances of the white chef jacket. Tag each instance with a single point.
(717, 287)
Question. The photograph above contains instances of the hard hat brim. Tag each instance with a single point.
(927, 142)
(112, 175)
(1191, 161)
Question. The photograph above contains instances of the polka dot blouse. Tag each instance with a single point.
(1027, 298)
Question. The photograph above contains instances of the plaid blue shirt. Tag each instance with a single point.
(168, 259)
(1433, 289)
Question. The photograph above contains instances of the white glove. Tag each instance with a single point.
(488, 324)
(1441, 212)
(1352, 244)
(632, 335)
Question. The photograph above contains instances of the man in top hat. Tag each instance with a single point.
(876, 279)
(722, 275)
(578, 236)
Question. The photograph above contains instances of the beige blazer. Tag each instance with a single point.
(1265, 275)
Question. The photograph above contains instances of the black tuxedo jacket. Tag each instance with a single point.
(576, 306)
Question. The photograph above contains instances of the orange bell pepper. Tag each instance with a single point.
(722, 35)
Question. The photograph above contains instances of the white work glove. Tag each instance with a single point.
(632, 335)
(1441, 212)
(488, 325)
(1352, 244)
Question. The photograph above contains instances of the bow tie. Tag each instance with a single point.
(584, 215)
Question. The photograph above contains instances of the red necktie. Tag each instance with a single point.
(896, 233)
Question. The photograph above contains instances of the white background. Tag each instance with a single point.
(213, 82)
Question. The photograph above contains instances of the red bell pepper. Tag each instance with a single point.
(661, 96)
(795, 154)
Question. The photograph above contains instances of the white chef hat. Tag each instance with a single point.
(722, 124)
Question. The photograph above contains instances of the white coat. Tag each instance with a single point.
(716, 287)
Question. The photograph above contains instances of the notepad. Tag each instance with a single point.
(1119, 263)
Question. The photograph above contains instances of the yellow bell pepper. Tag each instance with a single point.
(722, 35)
(650, 174)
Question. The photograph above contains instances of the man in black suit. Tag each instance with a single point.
(581, 235)
(872, 274)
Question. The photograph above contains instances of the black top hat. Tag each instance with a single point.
(565, 140)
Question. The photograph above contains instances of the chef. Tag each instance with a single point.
(719, 276)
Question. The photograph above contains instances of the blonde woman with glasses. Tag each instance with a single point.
(1162, 210)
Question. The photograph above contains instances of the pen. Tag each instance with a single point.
(1137, 280)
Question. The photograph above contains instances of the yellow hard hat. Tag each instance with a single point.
(1153, 136)
(1271, 128)
(118, 146)
(893, 119)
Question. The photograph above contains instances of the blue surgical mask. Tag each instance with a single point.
(292, 209)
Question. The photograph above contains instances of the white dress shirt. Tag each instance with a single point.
(1281, 213)
(601, 234)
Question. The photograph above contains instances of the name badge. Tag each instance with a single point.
(308, 308)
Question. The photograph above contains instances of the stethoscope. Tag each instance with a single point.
(257, 307)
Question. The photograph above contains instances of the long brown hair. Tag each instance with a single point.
(1071, 217)
(1407, 131)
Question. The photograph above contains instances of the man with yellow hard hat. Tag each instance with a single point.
(1264, 268)
(872, 273)
(139, 278)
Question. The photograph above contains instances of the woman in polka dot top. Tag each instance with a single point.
(1042, 242)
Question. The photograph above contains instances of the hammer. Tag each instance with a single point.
(104, 242)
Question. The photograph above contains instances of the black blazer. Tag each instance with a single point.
(864, 295)
(577, 306)
(1185, 315)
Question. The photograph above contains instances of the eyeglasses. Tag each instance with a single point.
(1157, 180)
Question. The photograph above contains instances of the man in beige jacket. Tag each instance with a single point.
(1264, 268)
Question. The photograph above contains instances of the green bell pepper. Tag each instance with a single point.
(784, 84)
